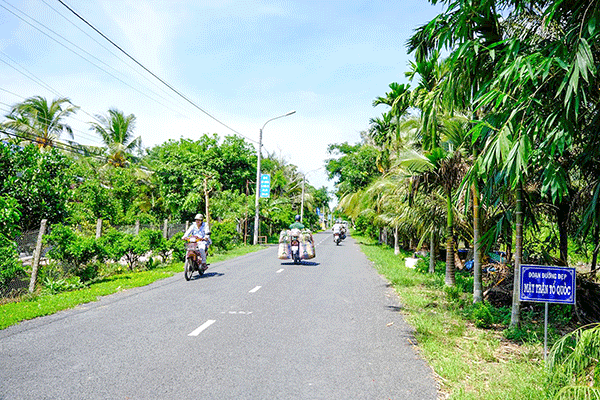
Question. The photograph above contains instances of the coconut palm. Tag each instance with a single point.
(116, 130)
(37, 121)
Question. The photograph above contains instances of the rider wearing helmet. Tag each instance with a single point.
(297, 224)
(201, 230)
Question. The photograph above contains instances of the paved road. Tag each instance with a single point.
(250, 328)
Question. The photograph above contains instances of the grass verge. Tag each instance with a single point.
(43, 303)
(469, 362)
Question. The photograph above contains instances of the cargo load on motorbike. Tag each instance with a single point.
(305, 243)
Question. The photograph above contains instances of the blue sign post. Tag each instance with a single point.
(265, 185)
(545, 284)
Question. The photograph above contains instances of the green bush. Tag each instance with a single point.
(120, 245)
(75, 252)
(153, 238)
(177, 248)
(365, 225)
(453, 293)
(62, 285)
(224, 236)
(482, 314)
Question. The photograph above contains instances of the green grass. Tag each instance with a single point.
(470, 363)
(42, 303)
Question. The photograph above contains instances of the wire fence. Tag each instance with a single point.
(27, 242)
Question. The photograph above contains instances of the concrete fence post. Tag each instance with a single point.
(98, 228)
(37, 256)
(166, 229)
(137, 227)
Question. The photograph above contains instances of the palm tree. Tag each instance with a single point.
(36, 121)
(116, 130)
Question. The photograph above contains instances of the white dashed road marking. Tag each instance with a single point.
(255, 289)
(202, 327)
(279, 271)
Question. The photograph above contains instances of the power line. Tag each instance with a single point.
(150, 72)
(79, 55)
(111, 52)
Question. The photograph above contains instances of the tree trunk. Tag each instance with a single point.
(596, 249)
(562, 217)
(432, 252)
(477, 282)
(206, 192)
(516, 304)
(450, 278)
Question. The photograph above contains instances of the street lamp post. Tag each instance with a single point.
(302, 200)
(256, 217)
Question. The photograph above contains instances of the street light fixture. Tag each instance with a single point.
(256, 218)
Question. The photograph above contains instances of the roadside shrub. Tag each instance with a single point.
(125, 246)
(482, 314)
(525, 333)
(75, 252)
(108, 242)
(365, 225)
(177, 248)
(153, 238)
(224, 236)
(453, 293)
(62, 285)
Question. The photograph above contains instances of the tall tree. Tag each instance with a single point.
(116, 130)
(37, 121)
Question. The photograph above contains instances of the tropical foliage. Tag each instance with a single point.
(498, 137)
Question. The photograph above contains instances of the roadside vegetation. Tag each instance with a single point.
(471, 350)
(487, 159)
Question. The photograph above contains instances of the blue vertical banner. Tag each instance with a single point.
(265, 185)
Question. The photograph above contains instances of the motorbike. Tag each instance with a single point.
(193, 260)
(337, 238)
(295, 245)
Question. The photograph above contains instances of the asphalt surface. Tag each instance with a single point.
(251, 328)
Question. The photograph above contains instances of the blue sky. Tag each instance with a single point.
(243, 62)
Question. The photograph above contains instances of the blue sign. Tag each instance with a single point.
(265, 185)
(318, 212)
(547, 284)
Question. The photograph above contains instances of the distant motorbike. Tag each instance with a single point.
(193, 260)
(337, 238)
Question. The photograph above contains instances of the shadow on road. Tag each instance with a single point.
(206, 275)
(305, 263)
(394, 308)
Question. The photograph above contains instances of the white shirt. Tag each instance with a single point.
(201, 232)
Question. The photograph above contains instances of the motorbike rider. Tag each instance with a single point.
(201, 230)
(297, 224)
(338, 228)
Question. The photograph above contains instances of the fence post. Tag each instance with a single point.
(137, 227)
(166, 229)
(98, 228)
(36, 256)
